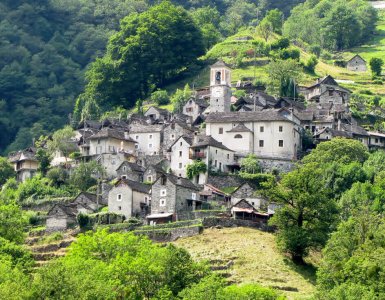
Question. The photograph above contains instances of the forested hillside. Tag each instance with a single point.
(46, 46)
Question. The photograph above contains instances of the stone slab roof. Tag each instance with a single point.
(240, 128)
(111, 133)
(180, 181)
(136, 128)
(205, 141)
(133, 166)
(135, 185)
(246, 116)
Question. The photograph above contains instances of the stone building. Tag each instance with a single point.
(25, 163)
(149, 138)
(243, 210)
(326, 90)
(180, 155)
(357, 64)
(153, 172)
(194, 108)
(129, 198)
(172, 195)
(60, 217)
(220, 87)
(248, 192)
(174, 130)
(86, 203)
(131, 171)
(157, 114)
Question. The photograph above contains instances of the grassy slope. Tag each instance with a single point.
(255, 257)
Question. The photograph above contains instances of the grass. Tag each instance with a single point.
(54, 237)
(256, 259)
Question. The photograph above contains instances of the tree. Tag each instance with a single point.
(6, 170)
(275, 18)
(63, 141)
(353, 260)
(281, 72)
(84, 175)
(180, 98)
(376, 66)
(250, 164)
(265, 29)
(311, 63)
(150, 49)
(308, 213)
(12, 223)
(196, 168)
(160, 97)
(44, 160)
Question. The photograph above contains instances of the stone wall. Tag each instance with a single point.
(170, 234)
(201, 214)
(222, 181)
(230, 222)
(283, 166)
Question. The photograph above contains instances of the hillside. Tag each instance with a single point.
(256, 259)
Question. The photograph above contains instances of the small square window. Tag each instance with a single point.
(119, 208)
(137, 137)
(180, 153)
(181, 144)
(149, 146)
(261, 143)
(261, 129)
(162, 202)
(280, 128)
(280, 143)
(221, 130)
(150, 136)
(119, 197)
(163, 192)
(180, 166)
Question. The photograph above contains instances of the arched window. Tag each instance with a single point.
(238, 136)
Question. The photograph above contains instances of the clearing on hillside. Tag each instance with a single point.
(253, 257)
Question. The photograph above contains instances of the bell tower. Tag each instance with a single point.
(220, 87)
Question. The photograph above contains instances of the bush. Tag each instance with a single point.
(160, 97)
(289, 53)
(316, 50)
(311, 64)
(281, 43)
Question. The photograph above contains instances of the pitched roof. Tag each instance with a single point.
(133, 166)
(325, 80)
(134, 185)
(68, 209)
(219, 64)
(145, 128)
(246, 116)
(205, 141)
(180, 181)
(90, 196)
(358, 56)
(240, 128)
(25, 154)
(161, 111)
(111, 133)
(188, 139)
(354, 129)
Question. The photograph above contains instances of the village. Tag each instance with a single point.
(146, 157)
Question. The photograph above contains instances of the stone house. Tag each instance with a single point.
(157, 114)
(376, 140)
(86, 203)
(216, 156)
(180, 155)
(110, 147)
(270, 133)
(131, 171)
(149, 138)
(25, 163)
(152, 173)
(194, 108)
(172, 195)
(247, 192)
(61, 216)
(243, 210)
(129, 198)
(357, 64)
(327, 90)
(174, 131)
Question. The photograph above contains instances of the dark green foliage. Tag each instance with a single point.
(376, 66)
(6, 170)
(334, 25)
(44, 160)
(310, 64)
(18, 254)
(58, 176)
(353, 263)
(275, 17)
(281, 43)
(84, 175)
(150, 49)
(12, 223)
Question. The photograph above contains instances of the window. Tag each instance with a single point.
(228, 156)
(119, 208)
(162, 202)
(149, 178)
(98, 141)
(181, 144)
(119, 197)
(163, 180)
(216, 151)
(136, 146)
(193, 196)
(180, 153)
(180, 166)
(280, 129)
(189, 109)
(238, 136)
(261, 129)
(330, 93)
(221, 130)
(150, 136)
(163, 192)
(280, 143)
(124, 169)
(137, 137)
(261, 143)
(149, 146)
(220, 166)
(145, 199)
(215, 163)
(124, 177)
(376, 140)
(173, 136)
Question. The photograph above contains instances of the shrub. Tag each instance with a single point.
(311, 64)
(160, 97)
(316, 50)
(281, 43)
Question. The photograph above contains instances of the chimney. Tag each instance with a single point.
(195, 141)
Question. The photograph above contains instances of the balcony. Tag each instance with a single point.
(197, 155)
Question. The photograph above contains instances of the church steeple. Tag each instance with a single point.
(220, 87)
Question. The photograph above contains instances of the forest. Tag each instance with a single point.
(47, 47)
